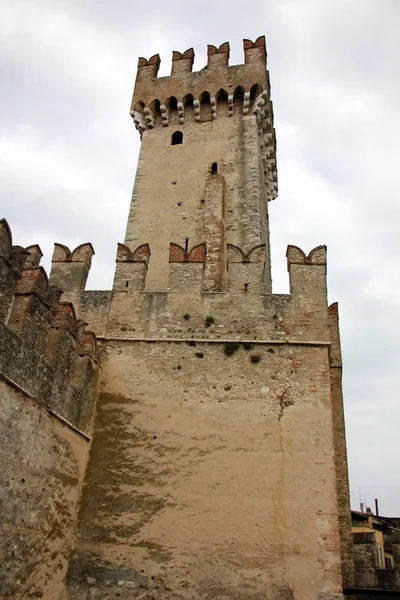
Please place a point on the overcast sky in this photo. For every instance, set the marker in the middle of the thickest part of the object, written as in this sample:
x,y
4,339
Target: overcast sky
x,y
68,153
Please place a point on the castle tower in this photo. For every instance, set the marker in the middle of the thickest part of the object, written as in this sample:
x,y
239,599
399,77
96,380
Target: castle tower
x,y
218,461
207,166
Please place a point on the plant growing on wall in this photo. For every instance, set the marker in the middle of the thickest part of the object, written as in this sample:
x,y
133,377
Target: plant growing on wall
x,y
255,358
231,347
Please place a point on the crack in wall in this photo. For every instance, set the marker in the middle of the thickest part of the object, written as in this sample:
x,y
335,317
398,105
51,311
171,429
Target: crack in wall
x,y
284,403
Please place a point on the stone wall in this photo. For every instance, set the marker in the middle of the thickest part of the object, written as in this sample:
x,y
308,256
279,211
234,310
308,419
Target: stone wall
x,y
48,385
42,466
212,471
342,477
205,468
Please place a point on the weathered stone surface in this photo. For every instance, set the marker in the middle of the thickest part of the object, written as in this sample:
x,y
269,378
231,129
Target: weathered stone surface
x,y
42,463
201,470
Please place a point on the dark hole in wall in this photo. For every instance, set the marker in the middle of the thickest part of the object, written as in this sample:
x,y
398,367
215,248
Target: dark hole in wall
x,y
177,138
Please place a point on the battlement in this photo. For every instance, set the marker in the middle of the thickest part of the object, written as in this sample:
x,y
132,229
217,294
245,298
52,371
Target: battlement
x,y
216,57
132,310
44,349
70,270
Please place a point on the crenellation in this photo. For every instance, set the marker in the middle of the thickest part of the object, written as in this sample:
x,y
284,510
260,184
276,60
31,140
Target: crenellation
x,y
182,63
131,268
12,261
307,272
246,271
218,57
254,51
64,338
148,69
70,270
204,89
89,345
35,256
35,303
42,338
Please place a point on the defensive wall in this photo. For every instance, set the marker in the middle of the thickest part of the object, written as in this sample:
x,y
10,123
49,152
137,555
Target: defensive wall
x,y
48,385
180,396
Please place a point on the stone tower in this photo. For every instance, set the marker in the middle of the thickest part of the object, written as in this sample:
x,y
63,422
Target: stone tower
x,y
207,168
217,466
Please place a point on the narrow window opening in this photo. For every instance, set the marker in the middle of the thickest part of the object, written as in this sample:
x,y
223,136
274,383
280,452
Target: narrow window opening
x,y
177,138
126,284
214,169
186,244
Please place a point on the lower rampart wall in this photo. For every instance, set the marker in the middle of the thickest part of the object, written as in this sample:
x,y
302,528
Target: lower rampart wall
x,y
187,314
211,475
93,307
42,463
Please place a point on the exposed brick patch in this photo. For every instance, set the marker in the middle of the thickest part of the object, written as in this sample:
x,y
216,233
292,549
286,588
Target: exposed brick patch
x,y
197,254
141,252
177,253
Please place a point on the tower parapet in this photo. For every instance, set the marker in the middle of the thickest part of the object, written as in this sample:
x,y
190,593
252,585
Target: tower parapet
x,y
12,261
131,268
218,57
